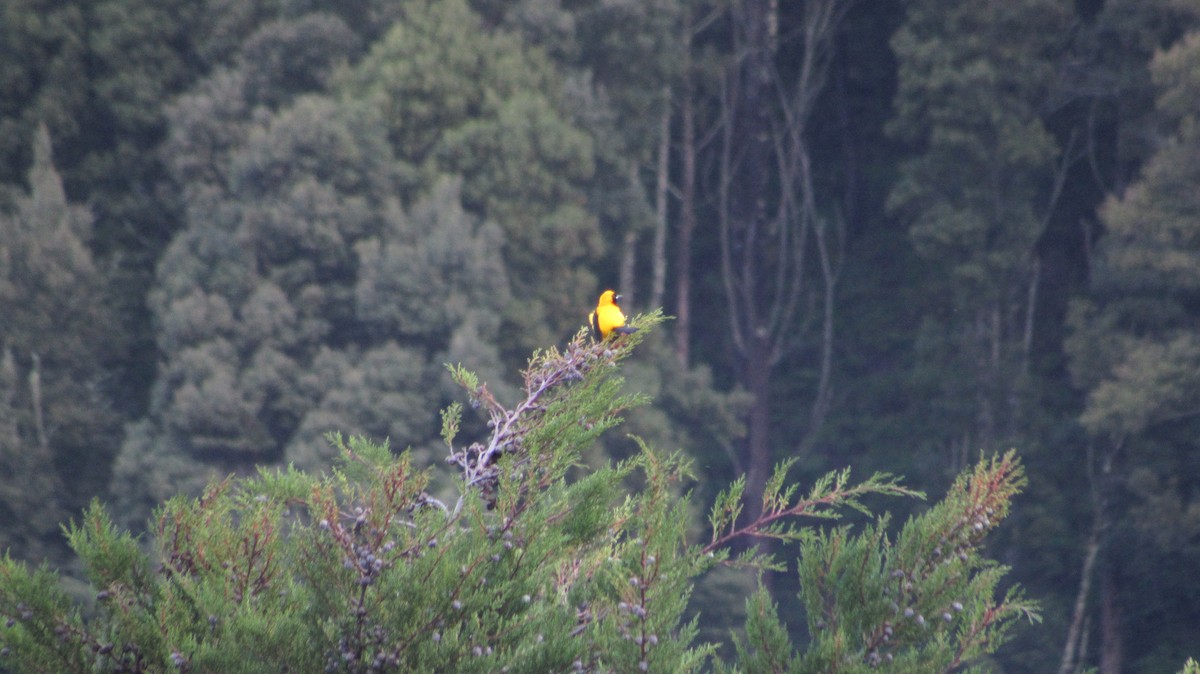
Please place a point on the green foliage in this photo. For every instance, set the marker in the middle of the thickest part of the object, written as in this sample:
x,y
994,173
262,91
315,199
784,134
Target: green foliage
x,y
923,602
1135,353
689,412
57,338
41,66
1153,383
301,296
459,98
97,74
315,163
1133,346
622,60
972,82
780,506
363,570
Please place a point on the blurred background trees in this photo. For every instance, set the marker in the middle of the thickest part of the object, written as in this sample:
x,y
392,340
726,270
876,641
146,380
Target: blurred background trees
x,y
1136,355
58,428
895,233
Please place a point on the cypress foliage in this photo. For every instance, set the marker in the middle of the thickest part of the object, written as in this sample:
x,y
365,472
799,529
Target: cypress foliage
x,y
532,563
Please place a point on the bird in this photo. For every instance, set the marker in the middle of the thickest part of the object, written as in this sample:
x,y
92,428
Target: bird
x,y
608,318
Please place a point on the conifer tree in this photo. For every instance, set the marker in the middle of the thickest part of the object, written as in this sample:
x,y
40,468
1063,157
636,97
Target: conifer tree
x,y
350,227
530,563
57,338
972,79
301,293
461,98
1135,349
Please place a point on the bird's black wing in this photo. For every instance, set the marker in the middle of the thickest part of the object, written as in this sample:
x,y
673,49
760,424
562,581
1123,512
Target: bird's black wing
x,y
594,323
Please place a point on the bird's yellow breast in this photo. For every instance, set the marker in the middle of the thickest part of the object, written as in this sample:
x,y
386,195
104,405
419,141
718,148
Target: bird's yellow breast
x,y
608,318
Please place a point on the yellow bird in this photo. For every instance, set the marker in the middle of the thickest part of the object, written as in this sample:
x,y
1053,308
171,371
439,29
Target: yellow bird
x,y
608,318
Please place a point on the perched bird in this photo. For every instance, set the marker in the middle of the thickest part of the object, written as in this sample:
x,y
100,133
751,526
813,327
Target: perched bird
x,y
608,318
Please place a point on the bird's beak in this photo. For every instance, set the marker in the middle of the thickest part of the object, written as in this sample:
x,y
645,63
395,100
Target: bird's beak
x,y
616,298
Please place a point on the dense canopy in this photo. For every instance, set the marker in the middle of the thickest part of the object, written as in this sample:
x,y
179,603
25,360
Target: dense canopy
x,y
894,234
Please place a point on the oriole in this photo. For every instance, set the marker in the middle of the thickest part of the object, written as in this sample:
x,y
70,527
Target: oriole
x,y
607,317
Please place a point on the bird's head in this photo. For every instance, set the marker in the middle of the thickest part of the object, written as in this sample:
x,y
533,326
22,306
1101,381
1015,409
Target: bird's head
x,y
609,297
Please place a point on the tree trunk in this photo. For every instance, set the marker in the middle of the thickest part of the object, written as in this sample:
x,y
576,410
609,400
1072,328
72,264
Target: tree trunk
x,y
757,380
1072,651
769,217
824,392
687,206
35,396
1111,650
658,281
625,280
749,197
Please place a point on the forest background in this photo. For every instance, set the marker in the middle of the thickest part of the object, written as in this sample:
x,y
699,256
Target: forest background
x,y
893,235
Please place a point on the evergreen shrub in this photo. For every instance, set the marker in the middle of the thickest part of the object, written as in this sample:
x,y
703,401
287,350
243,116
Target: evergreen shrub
x,y
534,562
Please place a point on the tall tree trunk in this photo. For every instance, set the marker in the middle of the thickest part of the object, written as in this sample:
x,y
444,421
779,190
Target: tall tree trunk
x,y
35,396
751,163
687,225
625,279
772,236
824,392
687,208
658,281
1074,650
1111,647
757,380
1031,301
